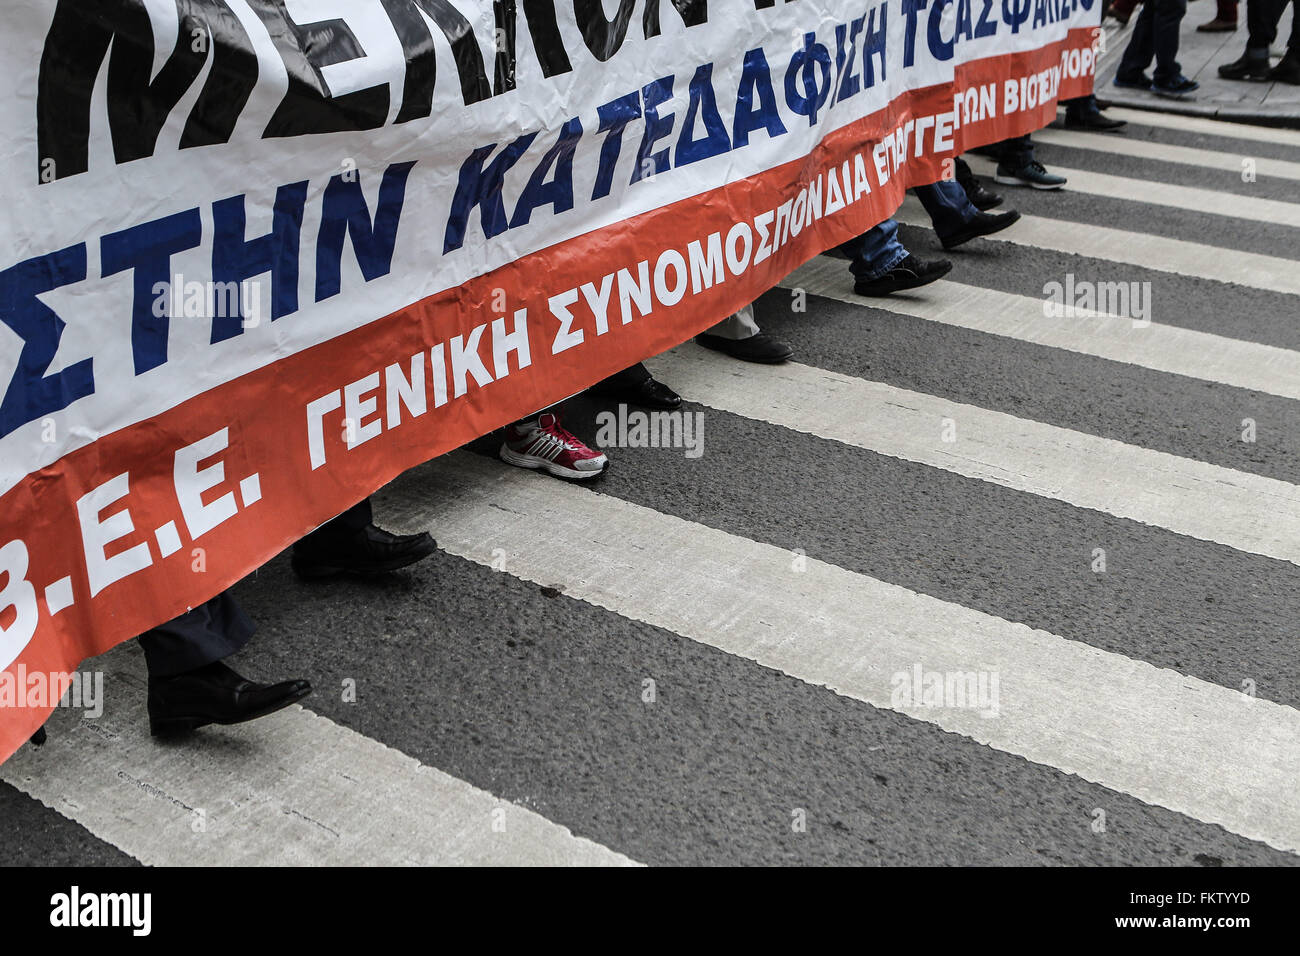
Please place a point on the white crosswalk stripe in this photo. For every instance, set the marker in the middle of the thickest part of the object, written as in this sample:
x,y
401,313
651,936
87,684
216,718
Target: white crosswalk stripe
x,y
1244,511
1168,194
1197,124
1179,256
1262,167
1164,348
299,788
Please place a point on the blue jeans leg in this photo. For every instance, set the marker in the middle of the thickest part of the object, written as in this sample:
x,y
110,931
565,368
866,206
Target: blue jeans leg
x,y
876,251
947,205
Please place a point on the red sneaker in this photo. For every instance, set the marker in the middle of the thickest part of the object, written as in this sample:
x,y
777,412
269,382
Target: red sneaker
x,y
545,444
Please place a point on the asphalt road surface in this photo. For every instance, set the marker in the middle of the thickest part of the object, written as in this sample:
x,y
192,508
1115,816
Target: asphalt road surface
x,y
965,584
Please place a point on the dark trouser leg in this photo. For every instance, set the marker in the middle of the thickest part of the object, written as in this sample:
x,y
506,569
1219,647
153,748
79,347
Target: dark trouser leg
x,y
1165,21
1016,152
963,174
947,206
206,634
1262,17
628,378
1141,45
342,528
876,251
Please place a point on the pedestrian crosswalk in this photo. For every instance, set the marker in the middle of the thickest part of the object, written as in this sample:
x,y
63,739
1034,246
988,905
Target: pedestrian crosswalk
x,y
877,621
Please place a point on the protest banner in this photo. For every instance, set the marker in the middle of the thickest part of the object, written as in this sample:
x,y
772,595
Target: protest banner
x,y
261,256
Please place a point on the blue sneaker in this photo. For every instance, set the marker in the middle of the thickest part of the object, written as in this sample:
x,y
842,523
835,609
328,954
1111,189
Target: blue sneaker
x,y
1139,82
1176,88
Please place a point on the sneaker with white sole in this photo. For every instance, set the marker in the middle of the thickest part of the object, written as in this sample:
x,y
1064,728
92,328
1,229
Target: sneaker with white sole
x,y
544,444
1033,173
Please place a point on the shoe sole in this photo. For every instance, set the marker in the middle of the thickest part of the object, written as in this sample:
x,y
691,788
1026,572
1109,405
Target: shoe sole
x,y
1012,181
179,726
533,463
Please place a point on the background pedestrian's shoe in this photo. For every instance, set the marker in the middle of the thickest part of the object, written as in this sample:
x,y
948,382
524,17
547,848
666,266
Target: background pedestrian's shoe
x,y
1247,68
371,550
214,694
760,347
1288,70
1217,26
545,444
984,224
1033,174
1139,82
911,273
1176,88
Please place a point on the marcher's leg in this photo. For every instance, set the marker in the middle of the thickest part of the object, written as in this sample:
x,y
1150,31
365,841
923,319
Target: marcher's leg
x,y
210,632
352,544
636,386
946,204
954,218
190,687
1018,166
882,266
979,195
739,336
876,251
738,325
1082,112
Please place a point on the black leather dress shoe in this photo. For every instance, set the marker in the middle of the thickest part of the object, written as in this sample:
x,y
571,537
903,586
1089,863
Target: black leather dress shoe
x,y
214,694
1091,120
978,195
761,348
1246,68
371,550
984,224
648,393
1288,68
911,273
